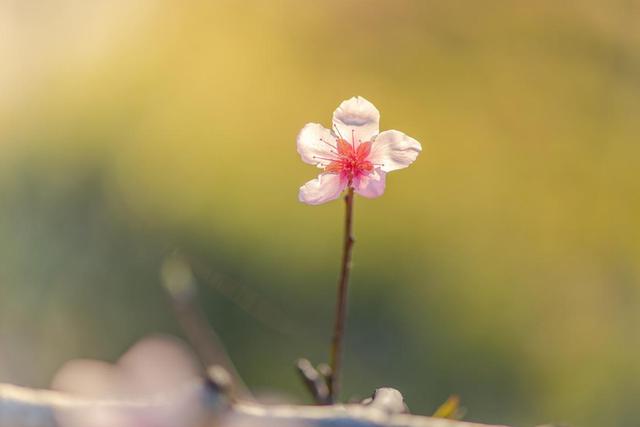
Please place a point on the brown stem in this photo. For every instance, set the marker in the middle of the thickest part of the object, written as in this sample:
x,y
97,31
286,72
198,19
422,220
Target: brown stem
x,y
341,307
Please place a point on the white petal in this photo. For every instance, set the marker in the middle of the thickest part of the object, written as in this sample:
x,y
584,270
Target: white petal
x,y
393,150
311,147
324,188
372,185
357,115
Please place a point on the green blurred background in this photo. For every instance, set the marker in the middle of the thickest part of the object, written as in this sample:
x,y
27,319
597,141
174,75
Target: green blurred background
x,y
504,265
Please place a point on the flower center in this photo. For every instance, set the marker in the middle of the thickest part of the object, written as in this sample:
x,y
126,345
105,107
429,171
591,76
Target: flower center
x,y
352,162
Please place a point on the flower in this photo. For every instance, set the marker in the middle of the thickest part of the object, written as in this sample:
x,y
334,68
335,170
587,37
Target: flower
x,y
354,154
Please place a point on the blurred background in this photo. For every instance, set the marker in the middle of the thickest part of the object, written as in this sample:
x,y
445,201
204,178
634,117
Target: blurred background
x,y
503,266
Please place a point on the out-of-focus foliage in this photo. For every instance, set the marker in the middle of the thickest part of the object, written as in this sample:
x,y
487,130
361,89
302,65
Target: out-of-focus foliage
x,y
450,409
503,266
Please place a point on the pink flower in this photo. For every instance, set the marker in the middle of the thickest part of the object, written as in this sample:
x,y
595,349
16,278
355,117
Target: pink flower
x,y
353,154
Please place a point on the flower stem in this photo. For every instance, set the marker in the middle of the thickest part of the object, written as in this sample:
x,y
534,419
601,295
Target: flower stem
x,y
341,306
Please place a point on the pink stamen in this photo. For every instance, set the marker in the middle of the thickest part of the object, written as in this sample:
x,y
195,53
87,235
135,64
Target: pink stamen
x,y
329,144
325,158
351,163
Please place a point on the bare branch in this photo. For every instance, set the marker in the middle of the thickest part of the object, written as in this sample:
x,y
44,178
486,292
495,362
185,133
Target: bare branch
x,y
314,381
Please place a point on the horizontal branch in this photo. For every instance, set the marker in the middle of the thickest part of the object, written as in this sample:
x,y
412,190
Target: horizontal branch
x,y
25,407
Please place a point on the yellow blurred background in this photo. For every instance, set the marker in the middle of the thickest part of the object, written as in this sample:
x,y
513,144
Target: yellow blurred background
x,y
503,266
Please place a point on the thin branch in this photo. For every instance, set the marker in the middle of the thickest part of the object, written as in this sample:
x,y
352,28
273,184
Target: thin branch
x,y
180,284
341,307
314,381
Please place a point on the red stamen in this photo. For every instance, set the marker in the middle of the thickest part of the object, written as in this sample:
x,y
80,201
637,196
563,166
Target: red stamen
x,y
324,158
338,131
351,163
329,144
333,167
344,149
363,150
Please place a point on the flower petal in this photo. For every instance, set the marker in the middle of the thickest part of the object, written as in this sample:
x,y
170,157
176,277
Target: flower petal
x,y
316,144
372,185
393,150
359,116
324,188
